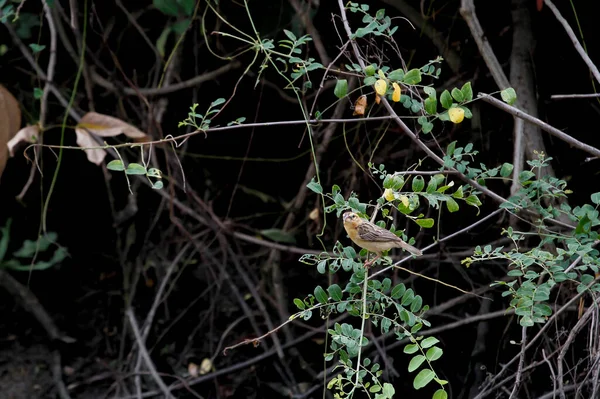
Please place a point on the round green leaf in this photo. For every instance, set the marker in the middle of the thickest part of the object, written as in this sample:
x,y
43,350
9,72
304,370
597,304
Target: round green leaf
x,y
341,88
299,304
509,95
335,292
116,165
398,74
425,223
135,169
321,295
467,92
418,183
412,77
415,363
457,94
440,394
157,185
434,353
411,348
451,205
446,99
428,342
506,169
423,378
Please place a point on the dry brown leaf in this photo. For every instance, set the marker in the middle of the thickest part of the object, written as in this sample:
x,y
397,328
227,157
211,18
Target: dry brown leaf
x,y
109,126
193,370
84,139
10,122
28,134
103,126
360,105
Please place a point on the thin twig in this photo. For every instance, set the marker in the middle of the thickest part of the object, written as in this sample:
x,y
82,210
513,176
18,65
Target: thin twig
x,y
142,348
519,376
574,40
543,125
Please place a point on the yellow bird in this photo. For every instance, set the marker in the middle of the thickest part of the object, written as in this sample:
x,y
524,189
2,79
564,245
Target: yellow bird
x,y
373,238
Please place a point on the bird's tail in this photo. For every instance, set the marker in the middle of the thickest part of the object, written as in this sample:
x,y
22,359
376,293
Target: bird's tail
x,y
410,248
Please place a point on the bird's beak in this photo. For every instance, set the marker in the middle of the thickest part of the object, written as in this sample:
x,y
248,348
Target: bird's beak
x,y
346,215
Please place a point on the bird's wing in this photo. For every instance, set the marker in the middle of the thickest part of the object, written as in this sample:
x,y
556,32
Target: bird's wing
x,y
371,232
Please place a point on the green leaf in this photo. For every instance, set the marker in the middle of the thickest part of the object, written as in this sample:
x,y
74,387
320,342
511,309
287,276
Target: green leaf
x,y
412,77
38,93
457,94
218,101
299,304
398,75
290,35
415,363
341,88
440,394
451,205
506,169
411,348
167,7
135,169
467,92
398,291
425,223
418,183
430,91
187,6
157,185
430,105
408,297
153,172
116,165
434,353
36,48
370,80
509,96
278,235
335,292
423,378
428,342
473,200
181,26
596,198
315,187
320,294
388,390
446,99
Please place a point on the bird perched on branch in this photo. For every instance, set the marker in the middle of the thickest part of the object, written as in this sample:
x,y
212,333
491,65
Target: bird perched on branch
x,y
373,238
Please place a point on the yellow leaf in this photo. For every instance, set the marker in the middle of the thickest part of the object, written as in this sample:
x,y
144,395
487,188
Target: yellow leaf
x,y
404,200
388,194
314,214
206,366
381,87
456,114
396,94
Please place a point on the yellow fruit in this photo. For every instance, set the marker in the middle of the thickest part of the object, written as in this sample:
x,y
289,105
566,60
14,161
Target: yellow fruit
x,y
381,87
396,94
456,114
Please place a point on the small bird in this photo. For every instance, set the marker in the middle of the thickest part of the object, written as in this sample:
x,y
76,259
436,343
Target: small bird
x,y
373,238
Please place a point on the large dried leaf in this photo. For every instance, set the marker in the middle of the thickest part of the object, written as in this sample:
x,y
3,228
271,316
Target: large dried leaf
x,y
10,121
84,139
29,134
108,126
103,126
